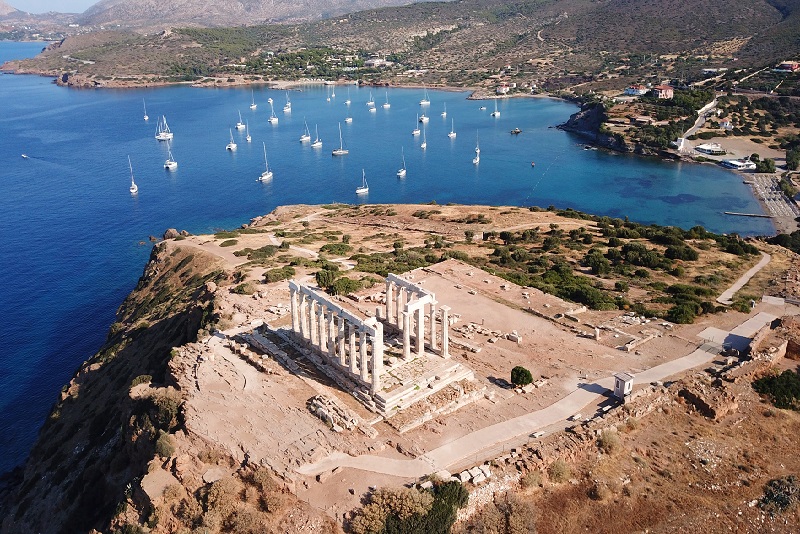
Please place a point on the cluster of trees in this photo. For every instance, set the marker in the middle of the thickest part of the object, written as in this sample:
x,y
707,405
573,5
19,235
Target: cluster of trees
x,y
782,389
409,510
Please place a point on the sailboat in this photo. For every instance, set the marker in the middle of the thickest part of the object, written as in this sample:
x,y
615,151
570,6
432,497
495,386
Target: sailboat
x,y
248,138
329,95
317,141
146,118
370,102
333,92
288,107
240,125
272,118
348,120
477,158
364,189
253,104
231,146
163,133
170,164
341,151
424,144
267,174
416,130
387,105
269,100
425,101
495,113
133,188
452,134
402,172
347,102
444,113
424,119
306,136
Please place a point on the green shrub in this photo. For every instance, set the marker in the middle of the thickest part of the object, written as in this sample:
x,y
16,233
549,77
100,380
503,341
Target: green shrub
x,y
521,376
245,288
780,495
559,471
531,479
141,379
164,446
229,243
783,390
276,275
608,441
337,249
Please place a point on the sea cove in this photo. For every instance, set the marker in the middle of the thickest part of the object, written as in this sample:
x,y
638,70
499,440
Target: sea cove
x,y
74,240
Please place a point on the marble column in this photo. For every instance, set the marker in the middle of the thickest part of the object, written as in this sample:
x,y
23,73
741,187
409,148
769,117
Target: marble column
x,y
312,326
323,336
353,359
362,360
341,343
303,317
421,330
401,291
377,359
390,318
295,315
445,352
331,339
406,336
432,320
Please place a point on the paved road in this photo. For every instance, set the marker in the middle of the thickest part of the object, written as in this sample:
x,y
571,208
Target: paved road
x,y
727,295
474,443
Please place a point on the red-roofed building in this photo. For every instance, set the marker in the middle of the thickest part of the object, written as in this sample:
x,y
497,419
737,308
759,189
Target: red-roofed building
x,y
663,91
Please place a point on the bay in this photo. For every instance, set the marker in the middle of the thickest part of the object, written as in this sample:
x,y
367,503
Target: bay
x,y
73,241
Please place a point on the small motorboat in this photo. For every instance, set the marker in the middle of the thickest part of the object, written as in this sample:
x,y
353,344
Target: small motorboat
x,y
24,156
533,164
516,131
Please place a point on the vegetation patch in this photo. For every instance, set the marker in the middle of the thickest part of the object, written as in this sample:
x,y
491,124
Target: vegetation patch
x,y
783,390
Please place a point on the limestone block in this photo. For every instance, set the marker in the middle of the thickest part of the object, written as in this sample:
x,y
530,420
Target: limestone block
x,y
486,470
478,479
464,476
475,471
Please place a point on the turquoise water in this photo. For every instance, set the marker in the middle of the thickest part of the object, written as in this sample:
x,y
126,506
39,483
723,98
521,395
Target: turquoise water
x,y
73,240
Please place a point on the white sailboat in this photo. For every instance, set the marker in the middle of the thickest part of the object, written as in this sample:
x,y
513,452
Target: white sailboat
x,y
333,92
306,136
317,141
272,118
402,172
444,113
424,119
240,125
477,158
163,133
424,144
146,118
170,164
347,102
288,107
247,137
387,105
231,146
267,174
452,134
341,151
364,189
253,104
348,120
416,130
269,100
133,188
370,102
425,101
495,113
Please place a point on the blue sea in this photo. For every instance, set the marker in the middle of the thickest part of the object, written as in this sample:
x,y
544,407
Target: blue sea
x,y
73,240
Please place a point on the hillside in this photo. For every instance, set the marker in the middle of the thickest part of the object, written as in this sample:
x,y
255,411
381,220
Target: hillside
x,y
155,13
551,45
6,9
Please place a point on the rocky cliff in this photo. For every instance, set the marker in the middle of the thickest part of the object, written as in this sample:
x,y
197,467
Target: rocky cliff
x,y
99,438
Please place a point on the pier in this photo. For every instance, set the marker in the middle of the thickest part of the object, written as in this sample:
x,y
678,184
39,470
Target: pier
x,y
761,215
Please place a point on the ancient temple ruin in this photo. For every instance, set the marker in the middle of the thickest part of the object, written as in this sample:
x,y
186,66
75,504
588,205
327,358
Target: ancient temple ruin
x,y
386,375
